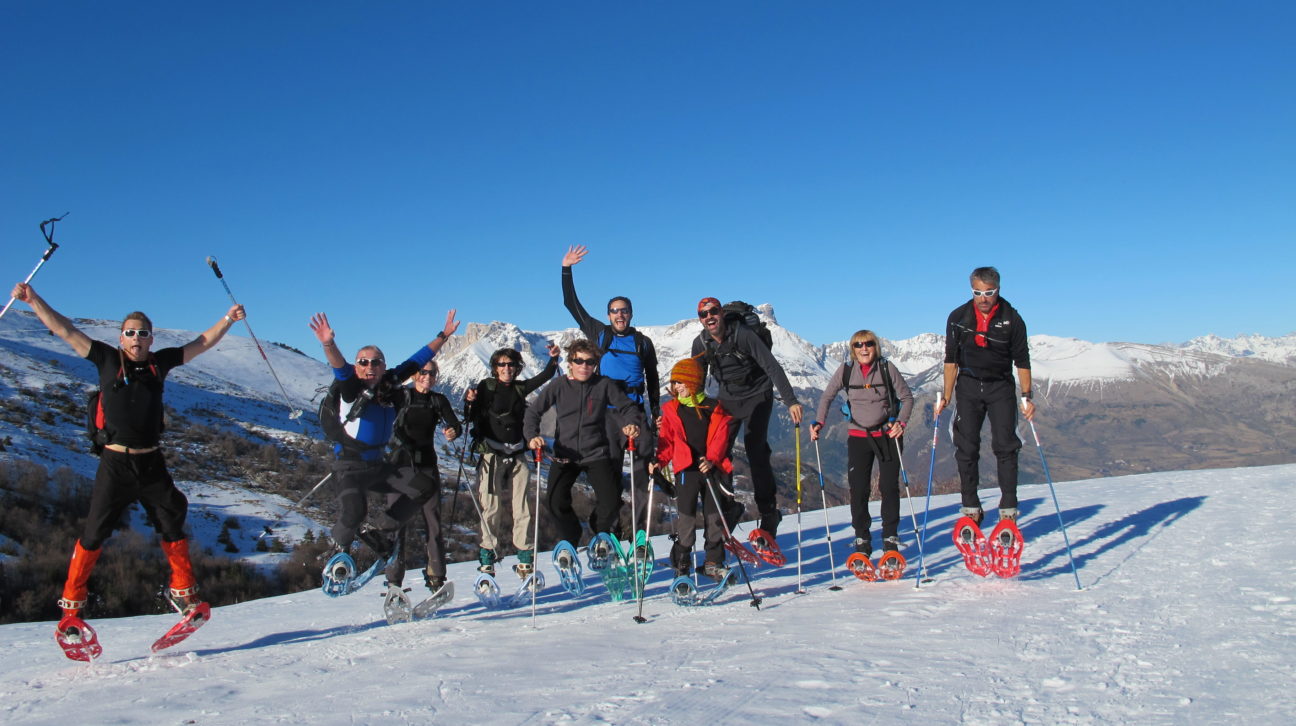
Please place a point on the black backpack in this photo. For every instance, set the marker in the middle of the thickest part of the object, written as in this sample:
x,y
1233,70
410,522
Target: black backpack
x,y
741,314
96,424
333,420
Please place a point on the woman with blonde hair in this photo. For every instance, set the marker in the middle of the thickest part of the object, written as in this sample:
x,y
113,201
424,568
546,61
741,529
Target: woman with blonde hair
x,y
878,405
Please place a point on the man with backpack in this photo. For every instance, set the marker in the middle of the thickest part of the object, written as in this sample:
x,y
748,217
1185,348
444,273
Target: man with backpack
x,y
629,359
497,406
358,415
131,464
984,339
746,372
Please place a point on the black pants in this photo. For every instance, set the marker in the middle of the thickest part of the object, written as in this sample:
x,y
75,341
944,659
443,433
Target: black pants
x,y
689,485
354,481
639,464
417,488
123,479
607,497
752,415
861,452
976,401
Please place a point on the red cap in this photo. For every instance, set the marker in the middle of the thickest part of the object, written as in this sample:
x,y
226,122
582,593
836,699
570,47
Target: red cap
x,y
707,302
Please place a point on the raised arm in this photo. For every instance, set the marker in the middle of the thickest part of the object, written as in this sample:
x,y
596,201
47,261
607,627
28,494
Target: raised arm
x,y
319,325
588,324
55,321
212,335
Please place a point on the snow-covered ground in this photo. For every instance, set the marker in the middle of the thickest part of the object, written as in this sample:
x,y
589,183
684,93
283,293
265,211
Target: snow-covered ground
x,y
1186,616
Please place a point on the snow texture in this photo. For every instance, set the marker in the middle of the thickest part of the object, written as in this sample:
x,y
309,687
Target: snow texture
x,y
1186,616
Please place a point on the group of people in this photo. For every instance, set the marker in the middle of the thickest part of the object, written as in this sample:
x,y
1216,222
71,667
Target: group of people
x,y
608,402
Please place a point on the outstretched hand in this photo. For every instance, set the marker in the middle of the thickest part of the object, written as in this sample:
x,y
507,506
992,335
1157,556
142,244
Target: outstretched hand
x,y
553,350
451,325
319,325
22,292
574,255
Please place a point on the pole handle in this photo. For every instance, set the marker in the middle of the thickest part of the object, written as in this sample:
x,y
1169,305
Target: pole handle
x,y
215,268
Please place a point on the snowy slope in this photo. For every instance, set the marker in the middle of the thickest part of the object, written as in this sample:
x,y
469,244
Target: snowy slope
x,y
1187,616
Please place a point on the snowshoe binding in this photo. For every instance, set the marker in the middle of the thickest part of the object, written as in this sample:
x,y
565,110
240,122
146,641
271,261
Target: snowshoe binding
x,y
567,562
1004,549
766,547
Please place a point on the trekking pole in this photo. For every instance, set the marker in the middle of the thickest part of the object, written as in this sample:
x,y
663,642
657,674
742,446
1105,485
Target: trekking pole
x,y
913,516
715,498
827,531
647,535
293,413
49,237
1065,539
931,473
463,453
301,501
535,540
634,531
800,590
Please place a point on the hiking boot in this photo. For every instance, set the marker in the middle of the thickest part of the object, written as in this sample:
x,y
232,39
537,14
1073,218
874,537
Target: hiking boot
x,y
433,582
891,544
526,557
601,550
770,522
976,513
1008,513
382,543
487,559
863,546
523,569
715,571
681,560
564,560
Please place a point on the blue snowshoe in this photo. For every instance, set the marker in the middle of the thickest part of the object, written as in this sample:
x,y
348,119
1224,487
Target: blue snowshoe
x,y
487,590
534,581
339,573
567,562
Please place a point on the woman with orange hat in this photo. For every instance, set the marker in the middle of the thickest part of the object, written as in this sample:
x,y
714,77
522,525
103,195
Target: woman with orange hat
x,y
693,439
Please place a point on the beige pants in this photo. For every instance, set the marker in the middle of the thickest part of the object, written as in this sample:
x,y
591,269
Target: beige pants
x,y
495,472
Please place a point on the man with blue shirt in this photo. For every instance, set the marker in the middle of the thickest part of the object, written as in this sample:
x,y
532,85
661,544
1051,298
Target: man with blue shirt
x,y
630,360
367,406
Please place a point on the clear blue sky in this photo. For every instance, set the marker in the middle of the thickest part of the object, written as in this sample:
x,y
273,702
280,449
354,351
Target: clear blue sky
x,y
1129,167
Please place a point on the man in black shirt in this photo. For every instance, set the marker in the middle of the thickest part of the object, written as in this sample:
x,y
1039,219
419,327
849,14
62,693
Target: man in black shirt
x,y
984,338
131,466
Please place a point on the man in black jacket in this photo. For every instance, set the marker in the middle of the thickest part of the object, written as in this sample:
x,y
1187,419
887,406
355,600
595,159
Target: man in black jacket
x,y
746,372
984,338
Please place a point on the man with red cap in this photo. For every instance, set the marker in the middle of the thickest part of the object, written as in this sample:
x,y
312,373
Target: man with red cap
x,y
746,372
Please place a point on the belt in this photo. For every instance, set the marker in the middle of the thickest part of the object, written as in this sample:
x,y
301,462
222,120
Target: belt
x,y
127,450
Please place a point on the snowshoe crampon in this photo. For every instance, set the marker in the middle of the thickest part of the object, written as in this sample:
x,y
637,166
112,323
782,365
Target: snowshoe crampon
x,y
428,607
741,551
77,639
533,583
1004,549
891,566
766,547
194,618
567,562
487,590
971,543
860,566
396,605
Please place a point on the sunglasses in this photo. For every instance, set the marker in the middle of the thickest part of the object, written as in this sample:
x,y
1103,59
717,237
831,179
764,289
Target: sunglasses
x,y
508,364
133,332
425,373
864,344
366,362
704,314
584,361
618,311
986,293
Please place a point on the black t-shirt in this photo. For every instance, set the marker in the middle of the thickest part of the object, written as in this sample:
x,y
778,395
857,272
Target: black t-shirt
x,y
132,402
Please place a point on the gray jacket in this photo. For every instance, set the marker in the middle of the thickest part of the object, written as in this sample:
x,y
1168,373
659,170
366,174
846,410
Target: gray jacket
x,y
580,434
868,405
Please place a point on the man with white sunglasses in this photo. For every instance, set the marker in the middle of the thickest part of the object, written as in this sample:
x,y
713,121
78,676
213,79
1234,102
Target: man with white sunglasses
x,y
131,464
984,339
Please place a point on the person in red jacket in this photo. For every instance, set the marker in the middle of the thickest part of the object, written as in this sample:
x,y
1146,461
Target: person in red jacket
x,y
693,439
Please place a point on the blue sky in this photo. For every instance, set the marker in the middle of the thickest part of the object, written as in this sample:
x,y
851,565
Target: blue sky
x,y
1129,167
